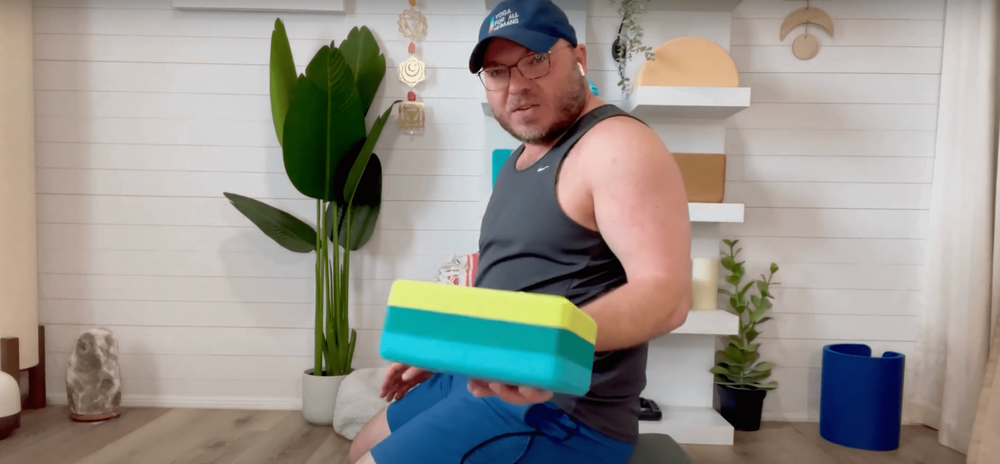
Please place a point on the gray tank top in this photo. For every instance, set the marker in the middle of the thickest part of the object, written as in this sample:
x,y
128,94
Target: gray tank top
x,y
527,243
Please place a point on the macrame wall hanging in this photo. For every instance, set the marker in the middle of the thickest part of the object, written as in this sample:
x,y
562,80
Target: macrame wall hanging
x,y
413,26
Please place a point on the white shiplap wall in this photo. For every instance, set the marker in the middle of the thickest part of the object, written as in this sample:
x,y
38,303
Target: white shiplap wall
x,y
146,114
833,160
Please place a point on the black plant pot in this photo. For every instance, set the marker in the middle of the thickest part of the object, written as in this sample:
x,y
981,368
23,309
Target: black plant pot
x,y
741,408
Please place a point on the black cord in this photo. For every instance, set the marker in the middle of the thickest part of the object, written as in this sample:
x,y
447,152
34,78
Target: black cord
x,y
503,435
532,433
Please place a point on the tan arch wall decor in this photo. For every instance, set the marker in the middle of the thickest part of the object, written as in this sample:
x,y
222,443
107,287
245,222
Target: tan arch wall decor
x,y
689,62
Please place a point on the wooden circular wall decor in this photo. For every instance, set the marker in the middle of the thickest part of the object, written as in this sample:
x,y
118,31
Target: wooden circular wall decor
x,y
806,45
689,62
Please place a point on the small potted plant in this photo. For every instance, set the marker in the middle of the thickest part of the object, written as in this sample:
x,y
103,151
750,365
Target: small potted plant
x,y
629,39
740,376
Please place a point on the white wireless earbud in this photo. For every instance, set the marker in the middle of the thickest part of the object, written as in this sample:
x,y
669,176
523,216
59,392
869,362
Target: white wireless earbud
x,y
580,67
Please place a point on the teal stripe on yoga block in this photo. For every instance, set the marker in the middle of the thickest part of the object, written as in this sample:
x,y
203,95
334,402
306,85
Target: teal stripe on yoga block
x,y
491,332
537,370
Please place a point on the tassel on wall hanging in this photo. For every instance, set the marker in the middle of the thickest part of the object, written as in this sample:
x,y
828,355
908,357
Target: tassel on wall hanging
x,y
413,26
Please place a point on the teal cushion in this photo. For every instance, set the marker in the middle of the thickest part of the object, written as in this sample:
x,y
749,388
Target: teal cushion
x,y
656,448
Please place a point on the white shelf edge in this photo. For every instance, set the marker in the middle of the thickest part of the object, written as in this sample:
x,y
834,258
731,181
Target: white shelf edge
x,y
693,5
282,6
716,212
655,5
564,4
709,322
687,102
691,425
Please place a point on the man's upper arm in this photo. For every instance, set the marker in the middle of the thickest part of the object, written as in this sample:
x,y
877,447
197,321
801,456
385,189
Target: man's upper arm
x,y
640,204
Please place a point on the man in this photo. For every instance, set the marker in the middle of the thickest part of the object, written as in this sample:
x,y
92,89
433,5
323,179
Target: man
x,y
591,207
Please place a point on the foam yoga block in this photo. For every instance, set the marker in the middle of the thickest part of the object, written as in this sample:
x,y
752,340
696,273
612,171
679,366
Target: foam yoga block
x,y
519,338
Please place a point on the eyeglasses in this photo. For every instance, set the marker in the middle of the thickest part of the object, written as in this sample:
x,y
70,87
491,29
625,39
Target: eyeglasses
x,y
531,67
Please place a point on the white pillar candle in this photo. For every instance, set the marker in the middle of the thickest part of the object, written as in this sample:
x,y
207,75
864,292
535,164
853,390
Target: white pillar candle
x,y
704,283
18,251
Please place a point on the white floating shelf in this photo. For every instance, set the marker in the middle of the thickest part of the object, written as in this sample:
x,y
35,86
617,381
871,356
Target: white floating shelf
x,y
687,102
486,106
565,4
692,5
690,425
715,212
277,6
662,5
710,322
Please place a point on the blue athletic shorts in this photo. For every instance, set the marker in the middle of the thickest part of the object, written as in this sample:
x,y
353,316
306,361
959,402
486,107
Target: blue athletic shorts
x,y
440,422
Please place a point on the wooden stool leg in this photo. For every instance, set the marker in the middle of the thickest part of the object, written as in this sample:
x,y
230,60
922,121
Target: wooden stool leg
x,y
10,362
36,376
10,357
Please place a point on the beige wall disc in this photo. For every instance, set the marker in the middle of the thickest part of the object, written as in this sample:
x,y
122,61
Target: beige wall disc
x,y
689,62
805,46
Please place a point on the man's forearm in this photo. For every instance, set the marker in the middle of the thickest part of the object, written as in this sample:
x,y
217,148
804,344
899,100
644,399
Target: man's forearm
x,y
638,312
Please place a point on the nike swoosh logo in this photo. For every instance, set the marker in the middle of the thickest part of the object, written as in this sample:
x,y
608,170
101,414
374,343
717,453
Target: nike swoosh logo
x,y
542,168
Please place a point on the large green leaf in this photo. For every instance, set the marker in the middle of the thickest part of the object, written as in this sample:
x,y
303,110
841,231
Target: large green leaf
x,y
769,386
361,51
289,231
736,354
723,357
720,370
324,124
282,77
763,367
364,209
361,162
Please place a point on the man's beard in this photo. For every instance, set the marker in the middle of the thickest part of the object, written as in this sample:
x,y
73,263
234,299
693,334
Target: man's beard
x,y
570,106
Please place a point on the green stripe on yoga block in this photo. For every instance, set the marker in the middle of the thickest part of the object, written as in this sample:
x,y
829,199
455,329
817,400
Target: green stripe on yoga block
x,y
542,371
506,335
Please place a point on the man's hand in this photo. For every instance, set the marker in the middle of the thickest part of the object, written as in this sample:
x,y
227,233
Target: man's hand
x,y
399,379
509,393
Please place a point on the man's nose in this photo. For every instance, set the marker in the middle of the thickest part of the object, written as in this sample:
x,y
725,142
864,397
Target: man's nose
x,y
518,83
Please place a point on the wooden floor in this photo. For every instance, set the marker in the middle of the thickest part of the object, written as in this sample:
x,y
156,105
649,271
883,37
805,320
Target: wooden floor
x,y
189,436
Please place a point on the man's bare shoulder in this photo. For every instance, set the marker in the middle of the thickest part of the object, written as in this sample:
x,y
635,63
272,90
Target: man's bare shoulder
x,y
622,144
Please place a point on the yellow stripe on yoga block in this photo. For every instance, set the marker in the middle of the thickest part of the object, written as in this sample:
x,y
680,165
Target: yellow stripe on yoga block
x,y
502,305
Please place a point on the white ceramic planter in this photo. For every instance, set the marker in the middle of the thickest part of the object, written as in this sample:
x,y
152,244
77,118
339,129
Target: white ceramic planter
x,y
319,395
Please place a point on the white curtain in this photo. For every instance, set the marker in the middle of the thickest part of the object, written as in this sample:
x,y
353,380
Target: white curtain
x,y
957,287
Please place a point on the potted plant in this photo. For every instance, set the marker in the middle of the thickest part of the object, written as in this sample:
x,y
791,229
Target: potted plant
x,y
319,119
739,374
629,39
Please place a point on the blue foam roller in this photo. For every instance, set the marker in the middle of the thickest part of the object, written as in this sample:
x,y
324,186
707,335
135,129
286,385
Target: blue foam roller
x,y
861,397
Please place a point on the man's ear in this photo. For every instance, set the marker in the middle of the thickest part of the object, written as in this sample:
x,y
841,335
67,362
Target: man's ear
x,y
580,52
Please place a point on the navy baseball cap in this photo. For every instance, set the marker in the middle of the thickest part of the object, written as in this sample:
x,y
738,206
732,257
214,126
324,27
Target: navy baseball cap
x,y
534,24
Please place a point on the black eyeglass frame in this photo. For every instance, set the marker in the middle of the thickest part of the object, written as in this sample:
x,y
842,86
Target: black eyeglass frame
x,y
548,61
